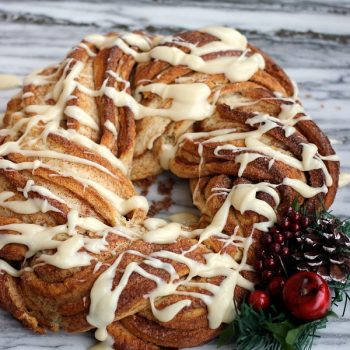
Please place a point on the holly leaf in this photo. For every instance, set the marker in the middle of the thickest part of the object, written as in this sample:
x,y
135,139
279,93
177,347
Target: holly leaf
x,y
293,334
280,331
331,313
301,337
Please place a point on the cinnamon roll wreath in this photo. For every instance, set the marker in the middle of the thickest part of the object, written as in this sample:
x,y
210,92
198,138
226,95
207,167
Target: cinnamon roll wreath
x,y
77,249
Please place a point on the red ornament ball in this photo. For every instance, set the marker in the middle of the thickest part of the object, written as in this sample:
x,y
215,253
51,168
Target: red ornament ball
x,y
259,300
307,296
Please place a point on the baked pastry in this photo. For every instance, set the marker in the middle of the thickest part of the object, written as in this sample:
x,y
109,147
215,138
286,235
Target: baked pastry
x,y
77,249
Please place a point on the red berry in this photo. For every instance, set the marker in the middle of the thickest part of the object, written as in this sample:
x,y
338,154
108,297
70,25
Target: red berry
x,y
279,272
297,234
259,300
258,265
267,239
285,223
288,234
290,211
305,222
267,275
262,254
295,216
295,227
278,238
285,251
274,230
270,263
275,247
275,286
259,253
307,296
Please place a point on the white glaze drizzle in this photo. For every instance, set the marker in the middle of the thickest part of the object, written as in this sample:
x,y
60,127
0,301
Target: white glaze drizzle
x,y
87,49
29,206
31,187
7,268
111,127
168,233
184,218
236,68
8,81
105,345
190,101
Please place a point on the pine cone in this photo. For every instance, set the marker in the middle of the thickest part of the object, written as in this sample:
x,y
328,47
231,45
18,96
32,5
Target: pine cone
x,y
324,249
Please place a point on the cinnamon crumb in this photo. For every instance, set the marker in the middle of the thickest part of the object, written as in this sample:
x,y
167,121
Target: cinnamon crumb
x,y
166,187
158,206
145,184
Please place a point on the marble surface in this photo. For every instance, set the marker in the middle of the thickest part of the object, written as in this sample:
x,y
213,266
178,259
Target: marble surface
x,y
311,39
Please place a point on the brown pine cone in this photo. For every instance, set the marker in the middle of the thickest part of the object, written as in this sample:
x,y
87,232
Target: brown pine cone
x,y
324,249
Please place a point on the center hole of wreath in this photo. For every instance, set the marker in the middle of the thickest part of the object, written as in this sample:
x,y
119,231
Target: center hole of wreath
x,y
167,195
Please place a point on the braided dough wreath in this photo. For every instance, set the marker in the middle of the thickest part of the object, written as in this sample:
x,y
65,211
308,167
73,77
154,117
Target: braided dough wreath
x,y
77,249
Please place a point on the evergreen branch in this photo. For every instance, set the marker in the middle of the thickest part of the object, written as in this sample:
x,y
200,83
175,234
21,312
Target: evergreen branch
x,y
271,330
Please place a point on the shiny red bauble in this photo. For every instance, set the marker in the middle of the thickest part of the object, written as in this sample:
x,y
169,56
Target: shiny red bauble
x,y
306,295
259,300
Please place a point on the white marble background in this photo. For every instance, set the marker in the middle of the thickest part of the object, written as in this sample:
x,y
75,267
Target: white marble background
x,y
311,39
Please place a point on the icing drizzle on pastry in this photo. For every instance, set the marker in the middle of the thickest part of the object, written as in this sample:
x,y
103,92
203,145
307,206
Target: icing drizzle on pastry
x,y
187,100
8,81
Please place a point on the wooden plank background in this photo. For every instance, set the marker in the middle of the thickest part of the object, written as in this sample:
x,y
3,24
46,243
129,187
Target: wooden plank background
x,y
310,39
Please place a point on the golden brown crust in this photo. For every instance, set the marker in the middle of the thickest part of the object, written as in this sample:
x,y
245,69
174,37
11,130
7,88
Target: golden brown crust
x,y
174,338
124,339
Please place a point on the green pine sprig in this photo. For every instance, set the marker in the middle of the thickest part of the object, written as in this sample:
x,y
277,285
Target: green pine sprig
x,y
342,290
250,330
272,330
341,293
